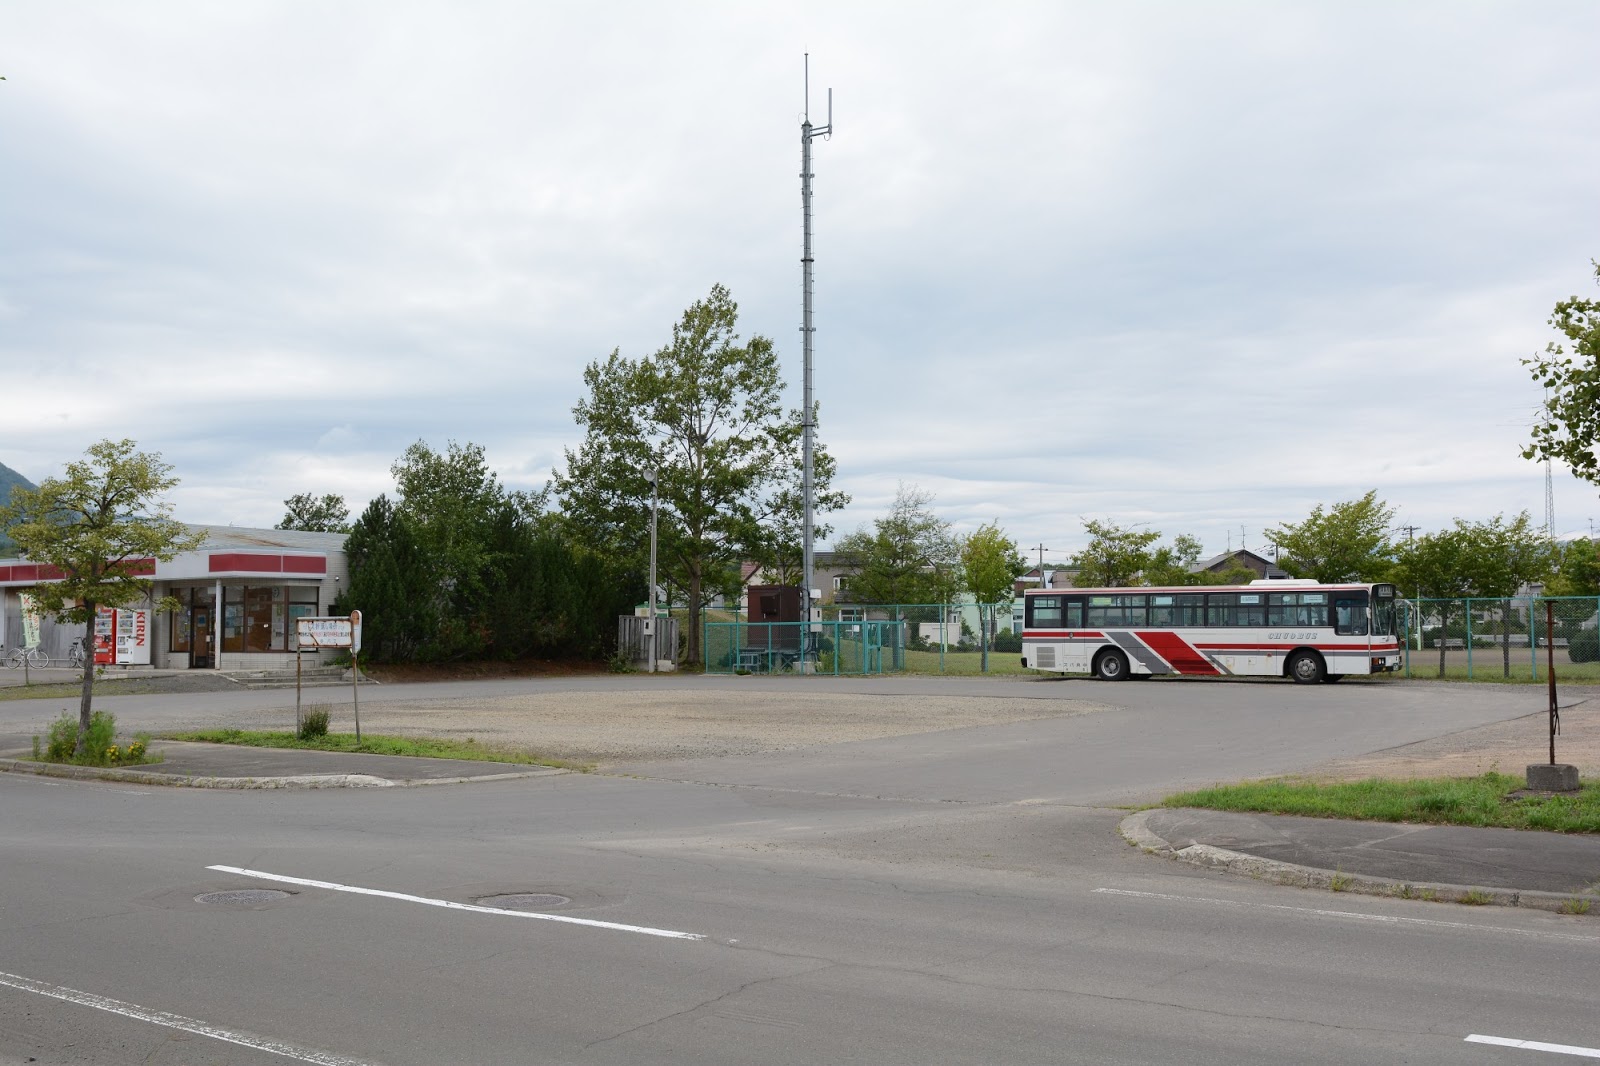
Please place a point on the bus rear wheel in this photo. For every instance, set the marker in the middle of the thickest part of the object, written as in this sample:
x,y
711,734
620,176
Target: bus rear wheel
x,y
1111,665
1306,667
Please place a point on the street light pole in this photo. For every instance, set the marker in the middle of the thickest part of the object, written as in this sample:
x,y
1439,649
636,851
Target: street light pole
x,y
808,132
655,496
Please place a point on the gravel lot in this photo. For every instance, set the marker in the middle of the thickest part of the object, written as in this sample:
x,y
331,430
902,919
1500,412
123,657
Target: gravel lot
x,y
616,729
1505,747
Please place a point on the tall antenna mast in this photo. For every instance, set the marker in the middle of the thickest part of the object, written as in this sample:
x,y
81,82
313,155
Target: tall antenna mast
x,y
808,413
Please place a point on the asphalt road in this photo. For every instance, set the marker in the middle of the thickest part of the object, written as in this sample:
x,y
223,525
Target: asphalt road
x,y
954,897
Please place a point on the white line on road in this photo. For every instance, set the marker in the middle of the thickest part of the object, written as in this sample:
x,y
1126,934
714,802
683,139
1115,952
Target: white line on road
x,y
453,905
176,1021
1536,1045
1385,918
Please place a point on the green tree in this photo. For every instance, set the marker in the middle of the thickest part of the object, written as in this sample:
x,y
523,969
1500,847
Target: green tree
x,y
1498,558
1173,564
1115,556
1348,542
1430,567
391,584
1570,373
450,502
908,556
705,412
1577,570
316,514
99,527
990,566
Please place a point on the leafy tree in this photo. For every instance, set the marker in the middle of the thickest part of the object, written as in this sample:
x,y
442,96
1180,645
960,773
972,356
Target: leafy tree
x,y
391,584
990,566
99,527
316,514
705,412
1116,556
1570,429
1348,542
1577,570
780,547
1171,564
1498,558
1430,567
907,556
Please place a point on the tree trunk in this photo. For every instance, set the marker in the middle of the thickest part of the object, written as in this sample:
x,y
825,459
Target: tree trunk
x,y
984,625
86,697
693,652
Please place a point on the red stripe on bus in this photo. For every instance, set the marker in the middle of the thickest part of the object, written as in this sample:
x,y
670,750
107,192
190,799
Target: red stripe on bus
x,y
1176,651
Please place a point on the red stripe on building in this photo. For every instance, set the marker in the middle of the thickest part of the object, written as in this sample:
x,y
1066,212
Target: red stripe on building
x,y
1176,651
305,564
251,562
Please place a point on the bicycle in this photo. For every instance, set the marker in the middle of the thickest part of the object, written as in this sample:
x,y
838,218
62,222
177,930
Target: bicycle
x,y
75,655
35,657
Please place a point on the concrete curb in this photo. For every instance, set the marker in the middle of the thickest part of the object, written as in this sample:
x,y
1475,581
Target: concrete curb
x,y
1136,832
296,781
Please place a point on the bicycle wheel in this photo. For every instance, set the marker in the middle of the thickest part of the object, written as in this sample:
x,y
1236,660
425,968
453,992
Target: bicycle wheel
x,y
75,657
14,660
38,658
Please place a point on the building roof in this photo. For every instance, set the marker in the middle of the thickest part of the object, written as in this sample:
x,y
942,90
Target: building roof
x,y
245,537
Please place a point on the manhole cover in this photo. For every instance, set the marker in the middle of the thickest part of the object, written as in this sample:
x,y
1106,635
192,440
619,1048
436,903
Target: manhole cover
x,y
242,895
525,901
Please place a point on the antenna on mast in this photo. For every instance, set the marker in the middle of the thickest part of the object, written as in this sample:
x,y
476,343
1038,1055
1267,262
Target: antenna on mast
x,y
808,411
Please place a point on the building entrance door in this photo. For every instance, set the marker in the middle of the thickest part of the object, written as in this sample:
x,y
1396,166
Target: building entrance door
x,y
200,657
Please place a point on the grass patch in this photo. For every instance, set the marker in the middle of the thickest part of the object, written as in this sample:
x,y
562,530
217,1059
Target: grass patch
x,y
371,744
957,663
1488,800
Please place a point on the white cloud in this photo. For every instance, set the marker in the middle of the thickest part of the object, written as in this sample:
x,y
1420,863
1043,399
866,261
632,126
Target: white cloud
x,y
1199,267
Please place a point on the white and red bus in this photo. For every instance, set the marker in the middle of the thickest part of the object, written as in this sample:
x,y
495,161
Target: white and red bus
x,y
1277,628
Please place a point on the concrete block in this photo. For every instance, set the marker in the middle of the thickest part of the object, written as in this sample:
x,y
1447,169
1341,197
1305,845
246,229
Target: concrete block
x,y
1553,777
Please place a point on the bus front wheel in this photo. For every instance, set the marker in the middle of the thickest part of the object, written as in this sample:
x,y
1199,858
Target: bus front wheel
x,y
1306,667
1112,665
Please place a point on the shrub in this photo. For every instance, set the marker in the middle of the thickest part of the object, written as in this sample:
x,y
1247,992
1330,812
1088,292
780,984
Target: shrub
x,y
63,738
1007,641
98,748
314,722
1583,646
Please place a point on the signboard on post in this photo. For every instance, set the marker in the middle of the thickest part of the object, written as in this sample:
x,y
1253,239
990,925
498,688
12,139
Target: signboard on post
x,y
330,631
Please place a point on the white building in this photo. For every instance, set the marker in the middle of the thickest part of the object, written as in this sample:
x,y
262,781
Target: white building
x,y
239,594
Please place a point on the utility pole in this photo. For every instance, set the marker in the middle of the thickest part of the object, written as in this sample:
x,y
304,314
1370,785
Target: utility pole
x,y
808,410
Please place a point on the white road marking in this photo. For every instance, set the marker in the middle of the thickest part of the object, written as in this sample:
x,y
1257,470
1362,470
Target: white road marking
x,y
453,905
1358,915
1536,1045
177,1021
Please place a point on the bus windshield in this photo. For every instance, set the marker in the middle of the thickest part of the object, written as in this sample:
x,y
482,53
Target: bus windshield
x,y
1383,618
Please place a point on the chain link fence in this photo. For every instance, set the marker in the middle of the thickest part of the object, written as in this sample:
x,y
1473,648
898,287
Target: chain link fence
x,y
942,638
1511,638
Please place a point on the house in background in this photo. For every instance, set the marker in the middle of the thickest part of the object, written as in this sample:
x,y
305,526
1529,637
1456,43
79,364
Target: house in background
x,y
1256,564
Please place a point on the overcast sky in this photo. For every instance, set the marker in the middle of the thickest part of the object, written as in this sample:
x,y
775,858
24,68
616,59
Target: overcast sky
x,y
1199,266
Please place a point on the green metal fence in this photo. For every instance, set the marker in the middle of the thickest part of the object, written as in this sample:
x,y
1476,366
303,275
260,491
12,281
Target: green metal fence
x,y
1502,638
833,647
861,639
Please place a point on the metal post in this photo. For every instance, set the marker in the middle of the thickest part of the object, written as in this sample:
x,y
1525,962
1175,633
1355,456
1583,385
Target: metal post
x,y
355,689
1550,650
1469,638
655,497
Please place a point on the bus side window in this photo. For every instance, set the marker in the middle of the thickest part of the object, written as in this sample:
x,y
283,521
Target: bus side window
x,y
1074,609
1350,616
1044,612
1221,607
